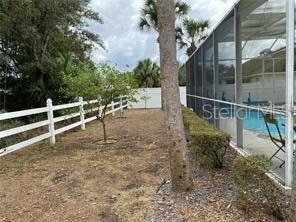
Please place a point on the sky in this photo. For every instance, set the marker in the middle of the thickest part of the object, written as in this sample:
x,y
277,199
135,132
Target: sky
x,y
126,44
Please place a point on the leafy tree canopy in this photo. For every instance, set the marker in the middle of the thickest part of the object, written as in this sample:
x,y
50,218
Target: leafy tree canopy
x,y
102,80
38,39
105,82
82,81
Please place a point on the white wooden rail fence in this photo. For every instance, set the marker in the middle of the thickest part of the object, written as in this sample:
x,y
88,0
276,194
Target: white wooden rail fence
x,y
51,120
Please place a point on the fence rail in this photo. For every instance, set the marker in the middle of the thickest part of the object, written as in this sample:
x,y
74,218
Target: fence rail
x,y
51,121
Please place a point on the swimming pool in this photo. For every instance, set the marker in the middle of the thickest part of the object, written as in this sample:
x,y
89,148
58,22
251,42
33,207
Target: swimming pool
x,y
253,120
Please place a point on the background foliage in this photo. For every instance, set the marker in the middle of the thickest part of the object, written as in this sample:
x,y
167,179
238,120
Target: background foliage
x,y
40,43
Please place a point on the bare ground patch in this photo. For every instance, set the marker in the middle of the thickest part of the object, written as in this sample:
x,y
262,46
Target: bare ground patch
x,y
80,179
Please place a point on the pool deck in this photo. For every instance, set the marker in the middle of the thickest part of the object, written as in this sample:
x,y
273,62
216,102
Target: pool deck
x,y
256,143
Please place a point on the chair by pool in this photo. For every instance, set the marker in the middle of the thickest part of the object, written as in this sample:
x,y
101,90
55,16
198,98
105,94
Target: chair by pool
x,y
279,141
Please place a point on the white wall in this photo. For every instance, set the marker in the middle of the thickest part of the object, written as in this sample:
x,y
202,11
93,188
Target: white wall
x,y
271,91
155,98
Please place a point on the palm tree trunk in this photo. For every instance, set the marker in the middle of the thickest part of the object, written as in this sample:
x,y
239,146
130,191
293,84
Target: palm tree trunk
x,y
179,161
191,49
162,98
162,81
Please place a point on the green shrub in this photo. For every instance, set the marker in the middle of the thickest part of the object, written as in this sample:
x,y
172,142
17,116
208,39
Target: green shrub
x,y
209,144
252,184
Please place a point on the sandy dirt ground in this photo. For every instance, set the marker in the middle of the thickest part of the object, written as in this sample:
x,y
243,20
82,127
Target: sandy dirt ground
x,y
79,179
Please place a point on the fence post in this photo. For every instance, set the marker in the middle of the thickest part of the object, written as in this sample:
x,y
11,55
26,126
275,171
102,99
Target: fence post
x,y
51,121
112,107
81,110
121,106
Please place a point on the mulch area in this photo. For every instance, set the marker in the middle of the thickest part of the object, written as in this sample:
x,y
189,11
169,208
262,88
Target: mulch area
x,y
213,199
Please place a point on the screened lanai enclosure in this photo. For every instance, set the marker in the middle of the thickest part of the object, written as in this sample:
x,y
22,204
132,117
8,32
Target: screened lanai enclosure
x,y
241,79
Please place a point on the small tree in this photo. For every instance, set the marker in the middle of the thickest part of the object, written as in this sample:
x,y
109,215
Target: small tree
x,y
114,84
105,82
145,99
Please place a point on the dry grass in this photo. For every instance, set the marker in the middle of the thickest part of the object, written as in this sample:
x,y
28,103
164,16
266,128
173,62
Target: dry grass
x,y
80,179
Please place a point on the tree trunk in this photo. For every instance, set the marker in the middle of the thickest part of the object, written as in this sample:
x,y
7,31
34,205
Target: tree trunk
x,y
191,49
179,161
161,80
162,98
104,130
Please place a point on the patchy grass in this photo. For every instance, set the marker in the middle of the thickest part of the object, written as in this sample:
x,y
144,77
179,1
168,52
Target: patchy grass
x,y
129,202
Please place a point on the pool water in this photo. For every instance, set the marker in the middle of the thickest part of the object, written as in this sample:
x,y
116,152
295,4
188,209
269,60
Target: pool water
x,y
253,120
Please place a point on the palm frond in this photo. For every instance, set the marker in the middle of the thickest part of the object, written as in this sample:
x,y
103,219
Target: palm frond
x,y
144,24
202,38
182,44
203,24
191,26
180,37
182,8
148,16
147,73
195,29
179,33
